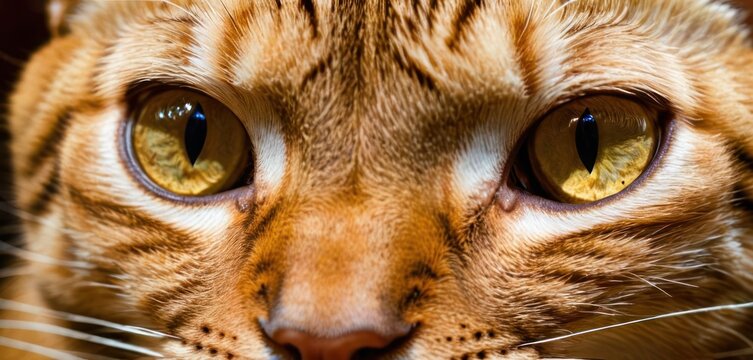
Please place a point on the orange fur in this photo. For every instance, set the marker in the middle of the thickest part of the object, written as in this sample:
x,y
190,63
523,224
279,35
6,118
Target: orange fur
x,y
393,125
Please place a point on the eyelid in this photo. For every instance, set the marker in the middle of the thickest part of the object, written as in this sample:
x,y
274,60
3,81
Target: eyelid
x,y
533,194
157,166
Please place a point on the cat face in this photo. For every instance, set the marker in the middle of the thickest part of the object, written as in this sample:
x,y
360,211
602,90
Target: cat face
x,y
384,181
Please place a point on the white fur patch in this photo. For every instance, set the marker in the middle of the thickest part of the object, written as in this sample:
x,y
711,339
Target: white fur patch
x,y
477,169
204,220
269,145
664,185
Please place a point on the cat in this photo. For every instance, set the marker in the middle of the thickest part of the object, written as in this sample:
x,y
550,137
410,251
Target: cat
x,y
437,179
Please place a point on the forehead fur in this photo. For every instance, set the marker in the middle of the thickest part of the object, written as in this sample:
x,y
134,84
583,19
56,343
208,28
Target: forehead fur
x,y
412,60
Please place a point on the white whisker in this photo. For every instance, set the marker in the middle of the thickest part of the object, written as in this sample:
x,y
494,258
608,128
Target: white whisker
x,y
673,281
13,272
101,285
652,318
20,307
57,330
192,15
37,349
91,356
25,215
650,283
31,256
560,8
615,313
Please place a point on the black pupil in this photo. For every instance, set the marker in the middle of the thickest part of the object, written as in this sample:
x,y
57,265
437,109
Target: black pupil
x,y
587,140
196,134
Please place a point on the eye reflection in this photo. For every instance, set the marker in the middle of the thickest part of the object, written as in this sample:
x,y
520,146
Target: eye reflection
x,y
589,149
174,112
191,144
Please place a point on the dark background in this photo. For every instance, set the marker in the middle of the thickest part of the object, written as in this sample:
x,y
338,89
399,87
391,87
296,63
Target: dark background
x,y
22,30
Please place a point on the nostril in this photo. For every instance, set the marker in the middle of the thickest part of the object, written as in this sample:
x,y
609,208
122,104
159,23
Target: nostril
x,y
293,351
338,348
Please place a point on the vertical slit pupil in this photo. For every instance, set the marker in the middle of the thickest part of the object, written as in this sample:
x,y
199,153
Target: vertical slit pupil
x,y
196,133
587,139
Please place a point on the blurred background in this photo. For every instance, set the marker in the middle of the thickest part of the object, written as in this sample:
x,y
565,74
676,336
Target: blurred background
x,y
22,30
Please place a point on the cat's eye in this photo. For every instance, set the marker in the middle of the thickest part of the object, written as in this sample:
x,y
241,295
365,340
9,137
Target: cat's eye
x,y
589,149
190,144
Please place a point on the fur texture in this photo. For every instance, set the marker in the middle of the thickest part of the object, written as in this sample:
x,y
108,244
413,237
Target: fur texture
x,y
384,132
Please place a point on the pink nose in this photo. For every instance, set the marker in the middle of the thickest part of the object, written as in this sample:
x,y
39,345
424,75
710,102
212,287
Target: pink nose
x,y
338,348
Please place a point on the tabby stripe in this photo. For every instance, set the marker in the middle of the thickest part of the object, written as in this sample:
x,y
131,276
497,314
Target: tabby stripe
x,y
160,301
49,143
433,5
261,267
175,240
525,51
307,6
408,66
49,191
743,157
181,318
741,199
231,33
416,8
422,270
164,298
462,20
450,238
317,69
259,228
743,191
387,23
574,275
151,247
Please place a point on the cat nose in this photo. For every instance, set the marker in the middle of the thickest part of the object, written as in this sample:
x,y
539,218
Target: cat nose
x,y
343,347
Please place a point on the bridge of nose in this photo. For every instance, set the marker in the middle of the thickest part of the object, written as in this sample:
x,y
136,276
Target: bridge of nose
x,y
338,268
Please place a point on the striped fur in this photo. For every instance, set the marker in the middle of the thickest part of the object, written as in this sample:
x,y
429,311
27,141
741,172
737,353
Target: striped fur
x,y
384,131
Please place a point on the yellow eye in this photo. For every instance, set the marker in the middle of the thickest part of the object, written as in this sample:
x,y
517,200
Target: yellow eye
x,y
190,144
593,148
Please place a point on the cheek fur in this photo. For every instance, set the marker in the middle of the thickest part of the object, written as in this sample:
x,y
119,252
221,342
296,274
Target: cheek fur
x,y
381,135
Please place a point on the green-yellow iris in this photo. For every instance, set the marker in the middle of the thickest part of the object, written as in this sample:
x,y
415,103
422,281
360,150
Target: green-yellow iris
x,y
626,143
201,163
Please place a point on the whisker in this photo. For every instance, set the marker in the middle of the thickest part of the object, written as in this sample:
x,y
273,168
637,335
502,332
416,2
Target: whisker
x,y
24,215
91,356
102,285
31,256
37,349
81,319
652,318
192,15
10,59
673,281
9,273
57,330
650,283
560,8
733,354
615,313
